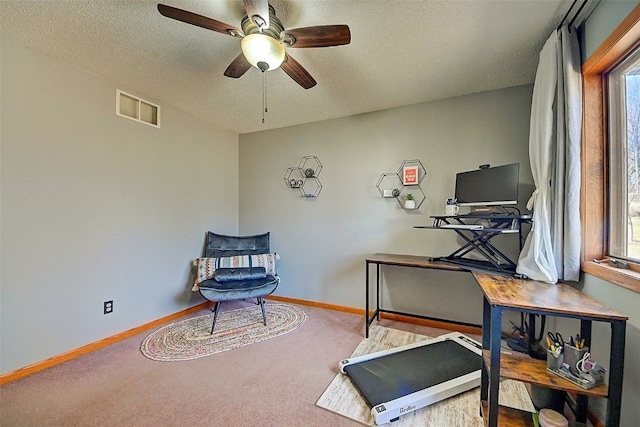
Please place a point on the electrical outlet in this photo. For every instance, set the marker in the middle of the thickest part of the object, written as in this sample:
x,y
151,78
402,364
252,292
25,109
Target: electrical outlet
x,y
108,307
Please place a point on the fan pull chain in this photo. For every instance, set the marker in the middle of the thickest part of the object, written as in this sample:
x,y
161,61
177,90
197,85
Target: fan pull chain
x,y
264,95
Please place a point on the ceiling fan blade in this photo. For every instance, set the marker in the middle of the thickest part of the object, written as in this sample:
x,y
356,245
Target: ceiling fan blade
x,y
199,20
258,12
297,72
238,67
318,36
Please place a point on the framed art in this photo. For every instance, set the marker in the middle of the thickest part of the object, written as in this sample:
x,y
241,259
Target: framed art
x,y
410,175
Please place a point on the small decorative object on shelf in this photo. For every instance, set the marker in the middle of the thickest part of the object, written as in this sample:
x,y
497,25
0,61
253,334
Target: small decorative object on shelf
x,y
409,203
389,185
294,177
304,177
408,177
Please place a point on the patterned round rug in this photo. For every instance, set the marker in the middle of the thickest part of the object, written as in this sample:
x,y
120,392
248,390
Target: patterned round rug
x,y
191,338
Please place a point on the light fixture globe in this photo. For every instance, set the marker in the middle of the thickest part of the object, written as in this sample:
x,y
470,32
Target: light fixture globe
x,y
262,51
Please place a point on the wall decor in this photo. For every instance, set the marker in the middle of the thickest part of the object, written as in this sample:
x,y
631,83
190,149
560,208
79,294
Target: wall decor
x,y
404,184
410,175
304,177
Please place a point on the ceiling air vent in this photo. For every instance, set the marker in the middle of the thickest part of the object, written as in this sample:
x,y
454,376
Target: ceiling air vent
x,y
137,109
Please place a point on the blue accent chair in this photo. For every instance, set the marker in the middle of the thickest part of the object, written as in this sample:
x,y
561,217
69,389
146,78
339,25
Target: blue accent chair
x,y
237,283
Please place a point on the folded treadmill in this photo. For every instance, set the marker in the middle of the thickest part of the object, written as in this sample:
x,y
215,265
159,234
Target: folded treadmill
x,y
401,380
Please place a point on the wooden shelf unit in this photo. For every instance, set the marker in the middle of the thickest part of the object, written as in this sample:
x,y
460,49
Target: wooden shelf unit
x,y
509,417
529,296
521,367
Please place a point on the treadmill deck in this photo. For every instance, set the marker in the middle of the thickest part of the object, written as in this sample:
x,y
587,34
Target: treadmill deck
x,y
401,380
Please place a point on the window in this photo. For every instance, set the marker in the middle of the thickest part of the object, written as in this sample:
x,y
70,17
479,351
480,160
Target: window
x,y
609,159
623,90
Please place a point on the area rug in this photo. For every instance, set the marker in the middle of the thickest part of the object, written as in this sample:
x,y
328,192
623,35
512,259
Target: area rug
x,y
343,398
191,338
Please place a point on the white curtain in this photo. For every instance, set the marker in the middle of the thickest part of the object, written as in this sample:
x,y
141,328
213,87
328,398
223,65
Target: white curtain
x,y
552,249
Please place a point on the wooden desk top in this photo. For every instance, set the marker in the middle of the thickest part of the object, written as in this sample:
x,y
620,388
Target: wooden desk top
x,y
410,261
534,295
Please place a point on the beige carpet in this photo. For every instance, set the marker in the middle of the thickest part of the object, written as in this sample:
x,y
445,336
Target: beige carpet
x,y
342,397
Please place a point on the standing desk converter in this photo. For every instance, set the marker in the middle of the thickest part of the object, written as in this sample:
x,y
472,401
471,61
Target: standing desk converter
x,y
478,230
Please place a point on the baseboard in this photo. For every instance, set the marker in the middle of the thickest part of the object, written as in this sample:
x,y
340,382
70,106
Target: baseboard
x,y
593,418
308,303
55,360
432,323
389,316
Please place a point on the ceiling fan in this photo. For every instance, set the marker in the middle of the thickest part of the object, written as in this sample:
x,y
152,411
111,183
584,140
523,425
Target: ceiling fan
x,y
264,39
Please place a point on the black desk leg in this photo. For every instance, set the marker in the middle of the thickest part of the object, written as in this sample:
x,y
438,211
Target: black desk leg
x,y
378,292
366,303
582,400
585,331
494,367
486,328
618,331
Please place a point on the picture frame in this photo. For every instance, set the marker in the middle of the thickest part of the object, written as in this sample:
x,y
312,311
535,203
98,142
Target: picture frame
x,y
410,175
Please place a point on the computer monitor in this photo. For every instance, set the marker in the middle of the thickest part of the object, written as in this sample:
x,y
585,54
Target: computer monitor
x,y
490,186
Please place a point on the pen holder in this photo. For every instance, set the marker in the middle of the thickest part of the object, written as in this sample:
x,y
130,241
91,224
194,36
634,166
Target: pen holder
x,y
572,355
554,363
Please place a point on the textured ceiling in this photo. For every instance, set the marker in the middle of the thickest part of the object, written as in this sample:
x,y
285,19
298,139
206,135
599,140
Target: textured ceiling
x,y
402,52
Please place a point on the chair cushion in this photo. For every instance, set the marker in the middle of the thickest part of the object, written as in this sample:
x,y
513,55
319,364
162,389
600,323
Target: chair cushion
x,y
238,289
240,273
206,267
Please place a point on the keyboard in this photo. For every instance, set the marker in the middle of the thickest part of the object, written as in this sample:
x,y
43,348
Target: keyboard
x,y
463,226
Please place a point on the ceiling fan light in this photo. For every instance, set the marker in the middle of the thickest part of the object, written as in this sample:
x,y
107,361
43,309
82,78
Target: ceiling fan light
x,y
262,51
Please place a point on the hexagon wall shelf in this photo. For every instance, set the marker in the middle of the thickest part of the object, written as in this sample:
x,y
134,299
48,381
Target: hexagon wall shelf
x,y
304,177
406,180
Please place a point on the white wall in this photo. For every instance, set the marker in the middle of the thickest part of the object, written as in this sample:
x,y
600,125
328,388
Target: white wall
x,y
323,242
96,207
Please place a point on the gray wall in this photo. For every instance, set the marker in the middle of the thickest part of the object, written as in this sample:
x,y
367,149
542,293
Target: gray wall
x,y
605,18
323,241
602,21
97,207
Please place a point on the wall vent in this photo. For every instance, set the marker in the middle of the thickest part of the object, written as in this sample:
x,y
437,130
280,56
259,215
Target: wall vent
x,y
137,109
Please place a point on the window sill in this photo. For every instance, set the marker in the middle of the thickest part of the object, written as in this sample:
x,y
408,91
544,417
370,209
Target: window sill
x,y
627,278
